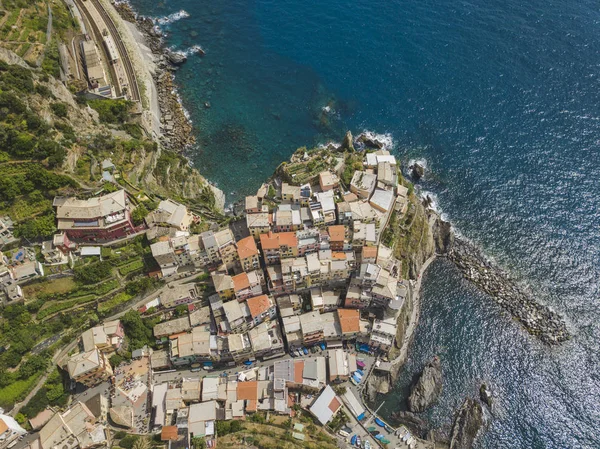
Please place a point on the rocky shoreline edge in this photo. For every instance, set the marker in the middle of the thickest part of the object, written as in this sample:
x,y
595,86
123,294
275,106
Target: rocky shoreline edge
x,y
176,127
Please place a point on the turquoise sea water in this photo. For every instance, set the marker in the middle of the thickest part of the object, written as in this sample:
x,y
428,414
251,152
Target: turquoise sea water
x,y
501,99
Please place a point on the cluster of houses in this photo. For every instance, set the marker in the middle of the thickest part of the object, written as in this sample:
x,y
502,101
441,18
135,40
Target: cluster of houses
x,y
188,408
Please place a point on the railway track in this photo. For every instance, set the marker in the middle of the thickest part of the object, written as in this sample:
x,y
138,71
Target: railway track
x,y
134,92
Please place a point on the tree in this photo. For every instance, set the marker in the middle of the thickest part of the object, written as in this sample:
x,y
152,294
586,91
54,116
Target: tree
x,y
181,310
115,360
198,443
93,273
129,441
139,214
37,227
141,443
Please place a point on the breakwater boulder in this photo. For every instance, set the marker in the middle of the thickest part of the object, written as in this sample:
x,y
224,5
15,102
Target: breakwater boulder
x,y
467,424
428,388
537,318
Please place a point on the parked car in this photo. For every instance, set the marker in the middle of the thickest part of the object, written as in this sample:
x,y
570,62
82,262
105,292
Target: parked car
x,y
299,352
292,353
314,349
304,350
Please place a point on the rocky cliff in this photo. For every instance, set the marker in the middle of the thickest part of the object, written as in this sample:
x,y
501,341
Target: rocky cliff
x,y
469,420
428,387
87,140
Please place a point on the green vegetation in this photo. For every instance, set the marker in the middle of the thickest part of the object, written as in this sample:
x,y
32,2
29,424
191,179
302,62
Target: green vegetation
x,y
59,306
52,393
111,111
136,265
352,162
117,300
138,331
93,273
60,109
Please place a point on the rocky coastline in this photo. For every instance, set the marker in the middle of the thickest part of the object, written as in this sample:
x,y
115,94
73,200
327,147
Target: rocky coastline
x,y
538,319
176,127
425,392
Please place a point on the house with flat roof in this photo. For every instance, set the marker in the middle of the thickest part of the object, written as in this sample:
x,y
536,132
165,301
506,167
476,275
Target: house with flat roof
x,y
238,316
341,365
328,181
363,184
312,327
177,294
287,218
266,340
290,193
240,347
383,334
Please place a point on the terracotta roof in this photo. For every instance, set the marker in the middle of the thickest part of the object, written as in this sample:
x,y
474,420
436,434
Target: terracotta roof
x,y
258,305
298,370
288,238
337,233
168,433
3,427
247,390
334,405
349,320
338,255
247,248
252,405
240,282
269,241
369,251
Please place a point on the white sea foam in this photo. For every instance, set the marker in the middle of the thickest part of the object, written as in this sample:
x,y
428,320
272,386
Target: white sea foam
x,y
193,50
386,139
434,203
174,17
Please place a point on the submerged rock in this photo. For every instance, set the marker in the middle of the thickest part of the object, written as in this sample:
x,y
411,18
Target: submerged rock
x,y
466,425
428,388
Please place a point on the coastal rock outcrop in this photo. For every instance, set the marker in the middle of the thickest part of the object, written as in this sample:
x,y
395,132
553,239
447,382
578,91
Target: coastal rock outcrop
x,y
428,388
369,141
485,395
537,318
443,236
467,424
415,424
175,57
347,143
417,171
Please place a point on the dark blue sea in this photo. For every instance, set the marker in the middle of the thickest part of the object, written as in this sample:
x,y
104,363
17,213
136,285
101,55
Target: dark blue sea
x,y
501,99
